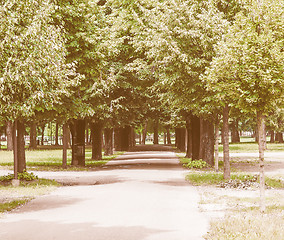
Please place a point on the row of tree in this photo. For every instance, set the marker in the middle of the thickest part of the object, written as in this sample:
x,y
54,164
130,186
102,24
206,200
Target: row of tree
x,y
117,63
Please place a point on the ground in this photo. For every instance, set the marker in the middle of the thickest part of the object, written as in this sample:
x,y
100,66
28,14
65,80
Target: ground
x,y
139,195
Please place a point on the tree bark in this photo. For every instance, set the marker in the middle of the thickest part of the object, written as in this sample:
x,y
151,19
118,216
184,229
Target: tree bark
x,y
56,134
65,145
169,141
226,153
217,136
117,137
195,123
261,143
165,137
42,134
125,138
33,135
144,133
207,142
97,145
189,137
78,142
108,133
279,137
9,134
272,137
156,132
19,147
235,132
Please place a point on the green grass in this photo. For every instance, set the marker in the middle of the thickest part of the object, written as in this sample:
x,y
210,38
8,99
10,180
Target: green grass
x,y
252,147
52,159
212,178
8,206
11,197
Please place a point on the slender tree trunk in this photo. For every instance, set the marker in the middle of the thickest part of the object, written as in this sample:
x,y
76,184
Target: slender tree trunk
x,y
9,134
189,137
261,143
65,145
272,137
108,133
165,138
169,141
195,123
97,144
217,145
56,134
177,138
144,134
226,153
19,147
33,135
207,142
156,132
42,134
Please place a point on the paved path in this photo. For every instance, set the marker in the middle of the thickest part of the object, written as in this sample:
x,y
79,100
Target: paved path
x,y
140,195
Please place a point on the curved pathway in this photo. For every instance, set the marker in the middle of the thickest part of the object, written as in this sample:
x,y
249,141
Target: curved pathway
x,y
141,195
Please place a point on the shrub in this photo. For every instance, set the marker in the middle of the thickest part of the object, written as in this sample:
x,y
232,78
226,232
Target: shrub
x,y
199,164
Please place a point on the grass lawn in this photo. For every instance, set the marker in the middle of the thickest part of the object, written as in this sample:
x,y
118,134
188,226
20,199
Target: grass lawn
x,y
13,197
252,147
51,159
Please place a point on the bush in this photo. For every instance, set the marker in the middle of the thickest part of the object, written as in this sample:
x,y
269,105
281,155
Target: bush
x,y
189,163
21,176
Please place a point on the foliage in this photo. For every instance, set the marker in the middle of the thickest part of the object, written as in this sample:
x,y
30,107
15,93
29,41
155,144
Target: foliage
x,y
189,163
8,206
34,75
21,176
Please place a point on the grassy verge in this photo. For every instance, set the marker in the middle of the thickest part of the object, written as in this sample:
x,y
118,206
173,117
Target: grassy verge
x,y
213,178
51,160
243,219
13,197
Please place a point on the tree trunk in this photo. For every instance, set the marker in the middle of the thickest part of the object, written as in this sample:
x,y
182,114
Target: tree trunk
x,y
65,145
97,145
261,143
235,132
42,134
125,138
217,145
195,123
272,137
165,138
226,153
56,134
189,137
19,147
279,137
33,135
169,141
207,142
108,133
78,142
156,132
9,134
144,134
117,137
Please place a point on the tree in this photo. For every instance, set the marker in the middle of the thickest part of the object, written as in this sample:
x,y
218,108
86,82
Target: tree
x,y
33,73
249,66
